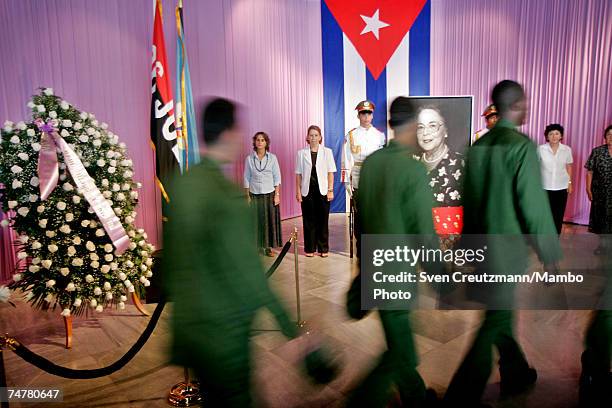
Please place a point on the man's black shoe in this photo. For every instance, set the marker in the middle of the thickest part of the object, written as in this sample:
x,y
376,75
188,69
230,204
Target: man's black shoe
x,y
518,383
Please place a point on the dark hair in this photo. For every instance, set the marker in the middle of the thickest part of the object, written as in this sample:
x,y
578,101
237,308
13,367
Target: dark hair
x,y
551,127
266,138
401,111
609,128
505,94
433,108
219,116
318,129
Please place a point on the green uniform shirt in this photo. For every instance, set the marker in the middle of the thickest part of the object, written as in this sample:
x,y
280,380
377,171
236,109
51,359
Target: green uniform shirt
x,y
212,271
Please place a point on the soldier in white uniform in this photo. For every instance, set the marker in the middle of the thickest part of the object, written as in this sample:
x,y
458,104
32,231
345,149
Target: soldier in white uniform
x,y
490,114
359,143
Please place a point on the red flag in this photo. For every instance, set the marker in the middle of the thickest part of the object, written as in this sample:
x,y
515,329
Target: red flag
x,y
163,131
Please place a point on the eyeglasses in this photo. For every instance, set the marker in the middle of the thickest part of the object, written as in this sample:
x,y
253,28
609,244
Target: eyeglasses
x,y
432,127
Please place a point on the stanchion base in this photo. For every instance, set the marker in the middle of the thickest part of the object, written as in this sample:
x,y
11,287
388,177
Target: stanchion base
x,y
185,394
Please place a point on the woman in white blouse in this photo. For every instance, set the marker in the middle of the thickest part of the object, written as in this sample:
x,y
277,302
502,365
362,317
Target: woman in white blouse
x,y
262,179
556,164
314,169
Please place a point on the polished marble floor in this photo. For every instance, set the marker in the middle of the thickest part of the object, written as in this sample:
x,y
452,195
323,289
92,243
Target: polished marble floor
x,y
552,341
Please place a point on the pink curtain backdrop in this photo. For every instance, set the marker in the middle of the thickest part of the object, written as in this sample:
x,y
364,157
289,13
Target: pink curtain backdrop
x,y
266,54
560,50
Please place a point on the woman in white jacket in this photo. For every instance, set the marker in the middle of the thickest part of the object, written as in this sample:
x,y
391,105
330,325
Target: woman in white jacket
x,y
314,169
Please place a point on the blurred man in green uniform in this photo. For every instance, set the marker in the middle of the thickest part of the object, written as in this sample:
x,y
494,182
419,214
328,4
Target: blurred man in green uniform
x,y
214,276
503,195
393,198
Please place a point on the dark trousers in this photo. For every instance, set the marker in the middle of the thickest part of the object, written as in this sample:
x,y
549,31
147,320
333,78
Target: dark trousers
x,y
356,225
558,201
315,217
468,383
397,366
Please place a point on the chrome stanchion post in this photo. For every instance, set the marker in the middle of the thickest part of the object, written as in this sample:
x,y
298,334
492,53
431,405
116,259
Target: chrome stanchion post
x,y
294,238
185,394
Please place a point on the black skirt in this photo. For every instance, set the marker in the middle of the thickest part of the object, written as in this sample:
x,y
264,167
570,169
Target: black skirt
x,y
268,220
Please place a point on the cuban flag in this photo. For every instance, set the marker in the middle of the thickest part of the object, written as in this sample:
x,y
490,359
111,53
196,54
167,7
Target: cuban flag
x,y
375,50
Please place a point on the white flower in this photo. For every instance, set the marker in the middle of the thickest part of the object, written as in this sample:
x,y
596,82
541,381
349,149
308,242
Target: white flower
x,y
107,194
76,199
109,295
65,229
99,308
95,264
131,289
127,283
70,287
143,279
23,156
64,271
101,162
108,257
131,233
53,114
22,255
65,312
108,248
90,131
49,298
128,174
12,204
85,223
149,274
116,187
16,277
36,245
69,217
94,257
89,278
126,186
67,187
134,195
33,268
52,248
97,142
97,291
77,302
111,170
122,276
84,138
4,223
33,198
46,263
143,268
40,208
113,163
77,126
15,140
36,260
23,211
147,283
83,115
76,240
30,132
42,223
21,125
99,232
93,224
132,245
105,269
24,239
120,197
90,246
35,146
16,184
149,262
16,169
121,305
64,105
141,242
113,266
440,197
61,205
71,251
34,181
30,104
5,294
107,286
93,303
50,283
129,220
77,262
48,91
64,133
41,108
117,211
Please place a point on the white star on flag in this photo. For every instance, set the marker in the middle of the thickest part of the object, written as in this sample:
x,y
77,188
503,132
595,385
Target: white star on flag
x,y
373,24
